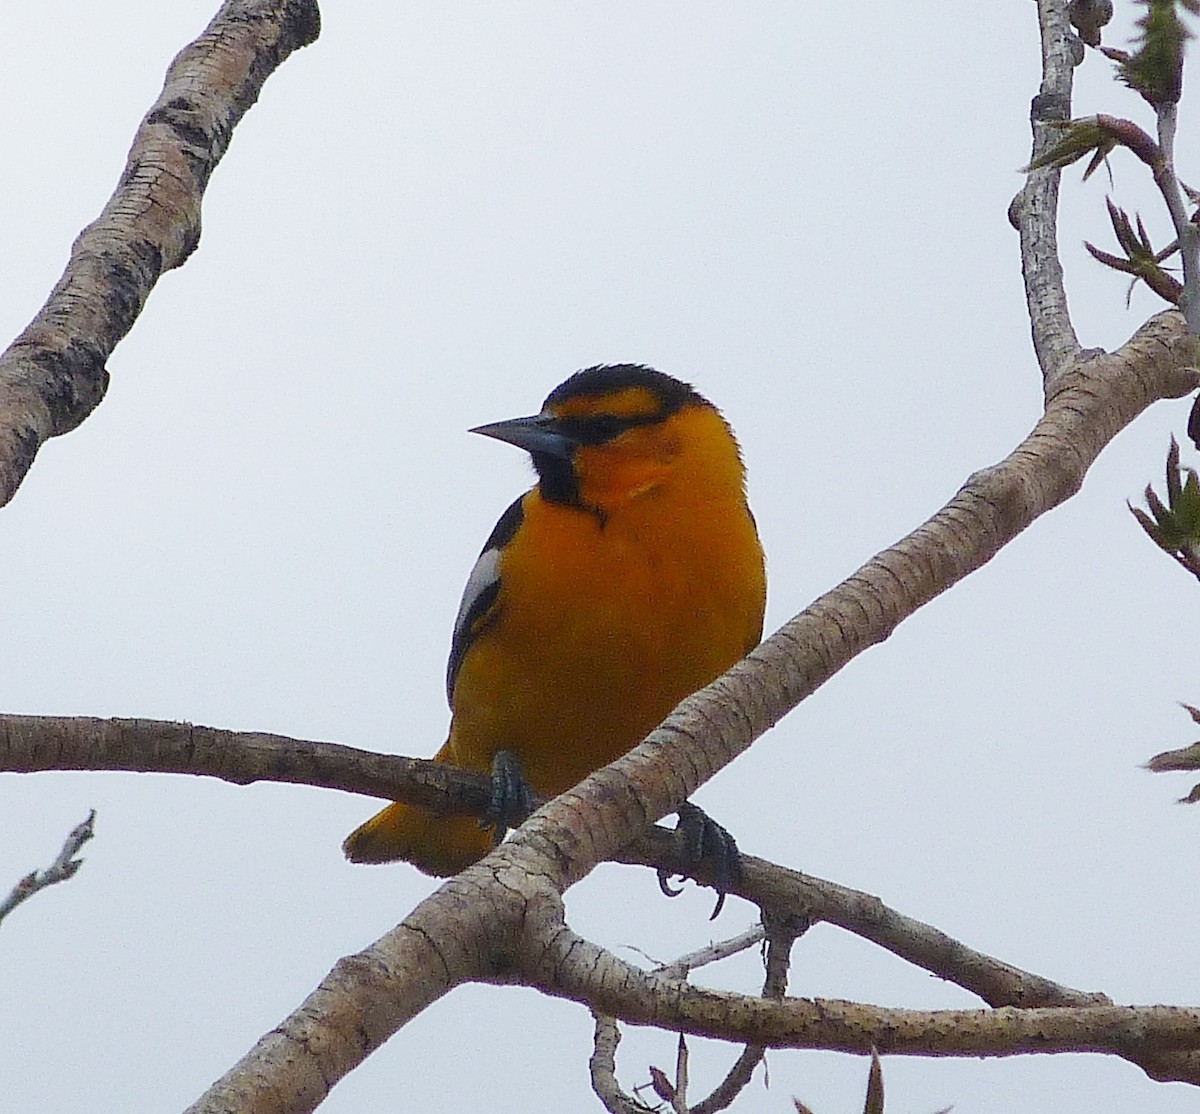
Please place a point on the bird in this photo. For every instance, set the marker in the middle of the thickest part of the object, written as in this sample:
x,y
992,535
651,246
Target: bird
x,y
629,576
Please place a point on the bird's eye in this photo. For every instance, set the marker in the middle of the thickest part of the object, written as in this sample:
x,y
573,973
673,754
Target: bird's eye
x,y
603,427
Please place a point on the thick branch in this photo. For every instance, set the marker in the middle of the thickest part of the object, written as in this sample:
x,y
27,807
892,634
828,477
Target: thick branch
x,y
53,375
566,838
507,907
467,930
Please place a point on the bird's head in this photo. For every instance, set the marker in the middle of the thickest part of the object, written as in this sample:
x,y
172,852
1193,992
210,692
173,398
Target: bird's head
x,y
613,433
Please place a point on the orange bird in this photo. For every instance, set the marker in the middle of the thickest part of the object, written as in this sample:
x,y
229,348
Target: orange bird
x,y
629,576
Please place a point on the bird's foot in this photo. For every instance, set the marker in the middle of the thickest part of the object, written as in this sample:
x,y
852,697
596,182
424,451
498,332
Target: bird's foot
x,y
701,839
512,799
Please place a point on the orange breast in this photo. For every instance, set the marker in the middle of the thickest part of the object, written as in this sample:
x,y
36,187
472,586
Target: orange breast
x,y
602,628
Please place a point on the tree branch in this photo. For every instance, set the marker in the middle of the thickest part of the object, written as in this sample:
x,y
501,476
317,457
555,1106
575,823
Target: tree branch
x,y
65,866
786,893
1186,233
31,744
574,968
517,887
42,743
1034,211
602,1067
469,929
53,375
781,934
607,1036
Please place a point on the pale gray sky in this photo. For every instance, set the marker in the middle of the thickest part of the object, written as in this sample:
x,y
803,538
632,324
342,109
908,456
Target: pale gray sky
x,y
432,217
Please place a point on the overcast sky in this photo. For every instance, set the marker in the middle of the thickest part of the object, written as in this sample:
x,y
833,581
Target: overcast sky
x,y
432,217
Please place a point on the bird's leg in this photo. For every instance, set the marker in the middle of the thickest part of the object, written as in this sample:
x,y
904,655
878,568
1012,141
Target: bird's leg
x,y
512,799
701,838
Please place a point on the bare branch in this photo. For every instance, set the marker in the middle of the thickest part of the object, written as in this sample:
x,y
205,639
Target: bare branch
x,y
781,934
735,1082
469,929
782,892
1185,230
39,743
53,374
502,919
787,893
64,866
607,1035
30,744
573,968
1034,211
713,953
603,1069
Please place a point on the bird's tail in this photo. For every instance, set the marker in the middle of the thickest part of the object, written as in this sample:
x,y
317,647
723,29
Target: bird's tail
x,y
438,845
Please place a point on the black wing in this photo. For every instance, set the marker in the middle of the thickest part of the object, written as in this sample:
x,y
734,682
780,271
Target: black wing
x,y
479,596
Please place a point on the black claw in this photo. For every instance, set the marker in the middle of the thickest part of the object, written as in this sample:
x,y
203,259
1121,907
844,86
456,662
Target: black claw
x,y
701,838
512,799
664,884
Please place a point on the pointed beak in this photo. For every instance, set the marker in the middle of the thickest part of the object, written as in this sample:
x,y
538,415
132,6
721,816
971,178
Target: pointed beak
x,y
539,433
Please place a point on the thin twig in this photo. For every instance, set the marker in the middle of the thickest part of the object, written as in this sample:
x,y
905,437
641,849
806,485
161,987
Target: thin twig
x,y
603,1068
713,953
779,939
1034,212
608,1035
1185,231
781,933
64,866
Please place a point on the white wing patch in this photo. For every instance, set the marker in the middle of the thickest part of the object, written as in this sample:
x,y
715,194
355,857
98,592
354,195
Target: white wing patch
x,y
480,595
484,575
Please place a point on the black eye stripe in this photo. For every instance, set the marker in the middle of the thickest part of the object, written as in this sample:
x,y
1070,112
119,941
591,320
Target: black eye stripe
x,y
599,428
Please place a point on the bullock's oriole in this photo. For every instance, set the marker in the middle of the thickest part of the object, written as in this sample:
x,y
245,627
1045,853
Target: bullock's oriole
x,y
628,577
